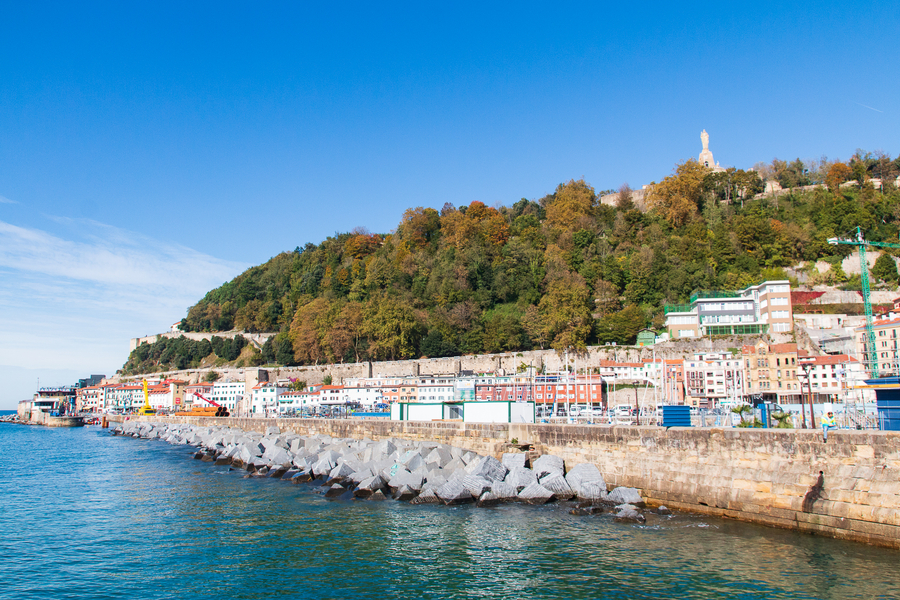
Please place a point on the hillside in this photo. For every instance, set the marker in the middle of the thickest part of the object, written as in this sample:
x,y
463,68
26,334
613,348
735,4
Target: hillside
x,y
562,271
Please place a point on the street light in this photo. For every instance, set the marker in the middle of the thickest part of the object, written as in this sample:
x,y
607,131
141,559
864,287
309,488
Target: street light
x,y
812,416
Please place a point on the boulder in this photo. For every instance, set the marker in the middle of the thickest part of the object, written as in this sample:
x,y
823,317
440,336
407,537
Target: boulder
x,y
557,484
582,511
586,480
487,467
520,478
302,477
476,485
454,492
439,456
413,481
663,510
629,516
535,494
625,495
427,496
272,431
514,459
340,472
405,494
548,464
369,486
500,492
335,490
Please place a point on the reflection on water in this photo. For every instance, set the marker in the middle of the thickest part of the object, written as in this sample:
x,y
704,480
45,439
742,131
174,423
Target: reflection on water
x,y
87,515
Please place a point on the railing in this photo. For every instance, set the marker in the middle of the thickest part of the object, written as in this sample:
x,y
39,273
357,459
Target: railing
x,y
712,294
677,308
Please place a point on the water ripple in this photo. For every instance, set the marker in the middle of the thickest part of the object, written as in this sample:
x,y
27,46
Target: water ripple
x,y
87,515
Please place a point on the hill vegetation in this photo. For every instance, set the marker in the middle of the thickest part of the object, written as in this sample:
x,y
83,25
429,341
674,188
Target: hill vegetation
x,y
560,272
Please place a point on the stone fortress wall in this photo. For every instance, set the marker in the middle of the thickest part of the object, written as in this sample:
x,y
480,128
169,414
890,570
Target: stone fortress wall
x,y
257,339
506,363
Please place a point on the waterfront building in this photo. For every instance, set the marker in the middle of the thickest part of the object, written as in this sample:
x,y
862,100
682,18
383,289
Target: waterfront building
x,y
202,388
833,378
166,395
227,393
772,372
332,395
297,401
757,309
435,388
714,379
886,349
88,398
264,397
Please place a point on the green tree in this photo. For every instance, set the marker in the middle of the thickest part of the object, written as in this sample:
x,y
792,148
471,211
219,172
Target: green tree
x,y
885,269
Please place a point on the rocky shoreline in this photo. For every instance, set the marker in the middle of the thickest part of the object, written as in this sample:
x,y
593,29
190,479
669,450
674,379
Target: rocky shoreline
x,y
415,472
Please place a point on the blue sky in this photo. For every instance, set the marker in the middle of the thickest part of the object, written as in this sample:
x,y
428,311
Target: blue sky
x,y
152,151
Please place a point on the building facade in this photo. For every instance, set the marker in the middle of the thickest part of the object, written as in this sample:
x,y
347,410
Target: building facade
x,y
755,310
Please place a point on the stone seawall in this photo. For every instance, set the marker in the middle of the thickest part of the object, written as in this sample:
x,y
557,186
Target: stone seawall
x,y
848,488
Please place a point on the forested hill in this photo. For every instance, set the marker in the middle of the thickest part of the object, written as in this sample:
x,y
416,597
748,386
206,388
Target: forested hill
x,y
561,272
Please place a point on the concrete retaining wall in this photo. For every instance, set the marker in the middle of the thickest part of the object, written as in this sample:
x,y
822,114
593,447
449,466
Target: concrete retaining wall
x,y
848,488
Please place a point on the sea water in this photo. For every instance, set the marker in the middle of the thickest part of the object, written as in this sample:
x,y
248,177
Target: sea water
x,y
84,514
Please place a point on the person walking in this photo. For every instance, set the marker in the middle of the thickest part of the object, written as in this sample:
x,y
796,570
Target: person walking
x,y
828,423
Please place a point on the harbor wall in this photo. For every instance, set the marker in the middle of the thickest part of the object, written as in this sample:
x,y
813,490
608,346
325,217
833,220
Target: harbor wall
x,y
848,488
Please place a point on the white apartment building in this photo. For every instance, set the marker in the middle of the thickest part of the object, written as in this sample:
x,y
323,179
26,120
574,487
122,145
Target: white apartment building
x,y
227,393
714,379
264,397
306,400
757,309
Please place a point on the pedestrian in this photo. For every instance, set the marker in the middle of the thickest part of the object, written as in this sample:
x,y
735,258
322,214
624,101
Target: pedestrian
x,y
828,423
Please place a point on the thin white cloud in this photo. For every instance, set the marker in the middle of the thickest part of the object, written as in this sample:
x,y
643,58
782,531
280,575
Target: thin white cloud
x,y
72,301
870,108
5,200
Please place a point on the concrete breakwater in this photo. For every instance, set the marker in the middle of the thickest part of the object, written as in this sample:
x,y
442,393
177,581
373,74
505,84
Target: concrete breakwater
x,y
419,472
848,488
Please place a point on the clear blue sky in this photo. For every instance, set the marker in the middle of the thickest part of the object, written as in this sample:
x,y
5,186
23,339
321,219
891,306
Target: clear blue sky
x,y
151,151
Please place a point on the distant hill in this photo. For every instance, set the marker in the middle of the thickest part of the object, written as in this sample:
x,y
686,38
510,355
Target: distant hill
x,y
562,271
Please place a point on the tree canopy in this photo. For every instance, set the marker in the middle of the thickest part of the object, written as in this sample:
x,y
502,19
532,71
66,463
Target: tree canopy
x,y
563,271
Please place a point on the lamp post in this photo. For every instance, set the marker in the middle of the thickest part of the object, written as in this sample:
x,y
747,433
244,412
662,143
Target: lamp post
x,y
805,367
812,415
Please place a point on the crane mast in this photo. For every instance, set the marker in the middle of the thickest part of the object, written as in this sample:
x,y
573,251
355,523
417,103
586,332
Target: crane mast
x,y
861,243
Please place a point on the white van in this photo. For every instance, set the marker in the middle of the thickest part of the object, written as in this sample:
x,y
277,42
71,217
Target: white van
x,y
623,410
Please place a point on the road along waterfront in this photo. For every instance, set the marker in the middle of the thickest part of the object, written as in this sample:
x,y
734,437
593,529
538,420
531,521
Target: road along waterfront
x,y
88,515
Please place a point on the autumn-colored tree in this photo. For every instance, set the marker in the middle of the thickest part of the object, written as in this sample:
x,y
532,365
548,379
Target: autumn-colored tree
x,y
392,328
677,196
345,334
572,206
361,244
565,314
419,226
838,173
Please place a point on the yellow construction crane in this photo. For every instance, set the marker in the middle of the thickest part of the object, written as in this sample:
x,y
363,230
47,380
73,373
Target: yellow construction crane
x,y
146,409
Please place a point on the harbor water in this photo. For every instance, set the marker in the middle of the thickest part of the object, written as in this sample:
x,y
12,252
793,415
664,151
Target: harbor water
x,y
84,514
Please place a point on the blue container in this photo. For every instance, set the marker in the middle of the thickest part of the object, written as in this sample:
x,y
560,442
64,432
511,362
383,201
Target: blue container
x,y
676,416
887,399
